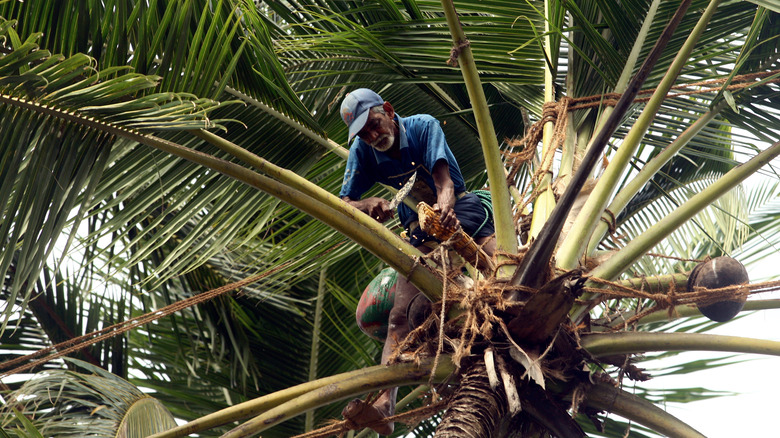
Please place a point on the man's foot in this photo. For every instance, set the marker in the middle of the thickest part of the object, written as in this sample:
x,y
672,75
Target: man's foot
x,y
365,415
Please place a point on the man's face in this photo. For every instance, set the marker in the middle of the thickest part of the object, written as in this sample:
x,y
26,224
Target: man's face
x,y
378,131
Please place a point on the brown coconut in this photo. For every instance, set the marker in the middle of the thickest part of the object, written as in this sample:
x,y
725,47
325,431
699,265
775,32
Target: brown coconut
x,y
714,274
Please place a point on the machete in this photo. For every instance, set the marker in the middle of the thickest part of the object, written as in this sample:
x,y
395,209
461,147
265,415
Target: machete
x,y
403,191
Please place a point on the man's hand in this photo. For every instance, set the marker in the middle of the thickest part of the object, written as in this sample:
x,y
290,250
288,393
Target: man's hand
x,y
377,208
446,215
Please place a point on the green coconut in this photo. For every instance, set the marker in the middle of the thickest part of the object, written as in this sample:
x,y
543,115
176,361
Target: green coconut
x,y
714,274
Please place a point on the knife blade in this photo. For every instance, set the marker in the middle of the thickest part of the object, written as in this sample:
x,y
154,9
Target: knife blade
x,y
403,191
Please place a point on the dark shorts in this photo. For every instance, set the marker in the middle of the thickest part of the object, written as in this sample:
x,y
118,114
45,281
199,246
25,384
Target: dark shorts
x,y
475,219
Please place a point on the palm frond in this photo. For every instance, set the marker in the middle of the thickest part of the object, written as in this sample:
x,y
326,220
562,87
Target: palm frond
x,y
98,405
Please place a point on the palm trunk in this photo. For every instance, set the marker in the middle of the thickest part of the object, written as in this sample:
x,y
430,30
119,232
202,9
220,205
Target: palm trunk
x,y
479,411
476,410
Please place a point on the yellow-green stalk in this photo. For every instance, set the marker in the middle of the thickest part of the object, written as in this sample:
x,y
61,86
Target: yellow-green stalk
x,y
603,396
641,342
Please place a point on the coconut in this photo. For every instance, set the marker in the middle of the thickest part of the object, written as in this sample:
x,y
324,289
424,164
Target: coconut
x,y
714,274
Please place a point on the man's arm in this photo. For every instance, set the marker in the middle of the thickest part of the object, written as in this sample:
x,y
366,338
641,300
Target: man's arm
x,y
377,208
445,194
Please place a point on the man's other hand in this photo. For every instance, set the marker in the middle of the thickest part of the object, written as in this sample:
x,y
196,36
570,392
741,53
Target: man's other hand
x,y
377,208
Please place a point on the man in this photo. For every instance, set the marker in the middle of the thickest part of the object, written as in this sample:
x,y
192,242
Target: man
x,y
389,149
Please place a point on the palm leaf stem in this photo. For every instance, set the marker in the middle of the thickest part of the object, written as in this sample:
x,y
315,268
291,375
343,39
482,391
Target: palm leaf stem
x,y
538,256
506,239
640,342
266,402
631,62
413,395
315,339
378,378
666,225
320,204
649,170
318,139
606,397
283,405
589,217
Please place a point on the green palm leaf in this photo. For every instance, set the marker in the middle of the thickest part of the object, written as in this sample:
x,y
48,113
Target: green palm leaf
x,y
97,404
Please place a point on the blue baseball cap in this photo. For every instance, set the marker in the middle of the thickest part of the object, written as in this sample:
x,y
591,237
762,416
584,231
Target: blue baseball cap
x,y
355,107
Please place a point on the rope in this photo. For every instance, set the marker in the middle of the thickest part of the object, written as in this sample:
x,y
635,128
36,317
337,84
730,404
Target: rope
x,y
738,82
455,52
552,112
699,296
409,417
440,345
556,112
487,205
80,342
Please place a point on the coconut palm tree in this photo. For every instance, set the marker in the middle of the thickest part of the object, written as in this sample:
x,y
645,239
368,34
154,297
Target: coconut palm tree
x,y
169,171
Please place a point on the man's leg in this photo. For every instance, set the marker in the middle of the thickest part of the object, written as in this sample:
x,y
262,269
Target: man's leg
x,y
357,410
488,244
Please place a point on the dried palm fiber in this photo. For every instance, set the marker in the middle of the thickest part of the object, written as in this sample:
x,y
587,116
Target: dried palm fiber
x,y
474,322
462,243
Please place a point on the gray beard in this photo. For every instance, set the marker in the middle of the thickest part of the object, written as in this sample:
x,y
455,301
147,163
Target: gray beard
x,y
387,144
